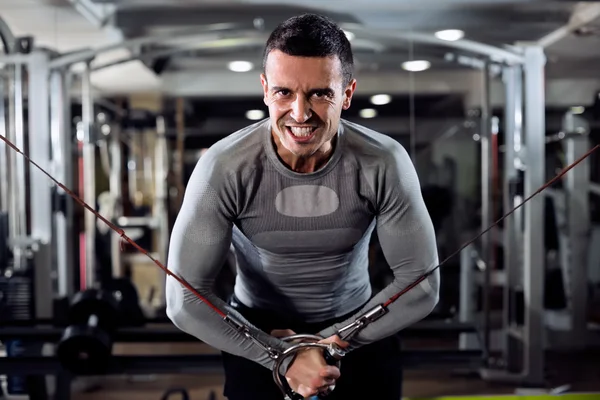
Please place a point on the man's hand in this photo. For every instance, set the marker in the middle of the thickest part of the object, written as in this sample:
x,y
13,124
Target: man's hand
x,y
308,374
280,333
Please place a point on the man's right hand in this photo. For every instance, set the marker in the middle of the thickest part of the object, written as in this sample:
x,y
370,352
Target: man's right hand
x,y
309,374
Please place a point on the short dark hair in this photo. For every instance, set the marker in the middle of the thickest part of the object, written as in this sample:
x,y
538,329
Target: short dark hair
x,y
312,35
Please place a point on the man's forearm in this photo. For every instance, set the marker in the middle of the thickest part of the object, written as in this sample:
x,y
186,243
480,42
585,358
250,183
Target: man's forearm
x,y
408,309
194,317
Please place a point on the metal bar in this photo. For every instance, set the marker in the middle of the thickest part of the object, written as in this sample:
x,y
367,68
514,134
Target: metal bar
x,y
136,222
97,14
7,36
486,201
594,188
161,198
40,199
180,150
466,313
582,15
433,329
212,42
4,165
245,30
89,172
206,363
493,53
534,257
62,161
15,59
194,34
18,184
116,193
579,234
513,117
119,365
39,106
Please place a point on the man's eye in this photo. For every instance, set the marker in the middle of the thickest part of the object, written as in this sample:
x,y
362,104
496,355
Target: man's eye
x,y
321,94
283,92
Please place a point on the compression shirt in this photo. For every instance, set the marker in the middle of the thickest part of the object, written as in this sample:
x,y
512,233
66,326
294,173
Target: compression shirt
x,y
301,239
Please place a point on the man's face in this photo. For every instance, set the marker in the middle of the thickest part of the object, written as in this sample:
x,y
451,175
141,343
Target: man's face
x,y
305,96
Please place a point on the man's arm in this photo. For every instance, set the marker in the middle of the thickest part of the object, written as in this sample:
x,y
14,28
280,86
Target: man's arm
x,y
408,242
200,240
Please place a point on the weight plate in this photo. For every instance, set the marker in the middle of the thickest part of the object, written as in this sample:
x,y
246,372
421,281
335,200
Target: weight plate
x,y
84,350
94,302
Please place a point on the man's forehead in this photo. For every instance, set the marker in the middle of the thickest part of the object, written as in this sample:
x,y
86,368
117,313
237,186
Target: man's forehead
x,y
309,72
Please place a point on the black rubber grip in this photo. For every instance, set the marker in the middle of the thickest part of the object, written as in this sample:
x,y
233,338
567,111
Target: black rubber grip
x,y
329,358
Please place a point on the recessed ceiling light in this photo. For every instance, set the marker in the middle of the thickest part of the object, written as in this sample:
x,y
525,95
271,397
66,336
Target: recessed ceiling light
x,y
416,65
450,34
381,99
368,113
255,115
349,35
240,66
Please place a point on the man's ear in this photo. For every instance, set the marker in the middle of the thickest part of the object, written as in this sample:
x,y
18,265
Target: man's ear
x,y
348,93
265,85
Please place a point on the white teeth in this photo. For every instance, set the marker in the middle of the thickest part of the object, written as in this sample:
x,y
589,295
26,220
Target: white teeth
x,y
301,131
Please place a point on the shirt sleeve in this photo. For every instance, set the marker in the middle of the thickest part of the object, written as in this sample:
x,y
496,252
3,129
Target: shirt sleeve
x,y
200,241
407,239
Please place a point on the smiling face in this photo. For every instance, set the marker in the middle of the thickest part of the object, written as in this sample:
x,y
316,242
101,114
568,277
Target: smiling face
x,y
305,96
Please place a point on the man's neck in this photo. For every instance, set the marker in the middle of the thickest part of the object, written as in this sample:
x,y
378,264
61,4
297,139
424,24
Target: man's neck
x,y
303,165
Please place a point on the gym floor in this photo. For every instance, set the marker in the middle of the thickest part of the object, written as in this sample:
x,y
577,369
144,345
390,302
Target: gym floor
x,y
580,372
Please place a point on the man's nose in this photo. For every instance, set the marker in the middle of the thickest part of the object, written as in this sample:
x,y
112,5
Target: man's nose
x,y
301,111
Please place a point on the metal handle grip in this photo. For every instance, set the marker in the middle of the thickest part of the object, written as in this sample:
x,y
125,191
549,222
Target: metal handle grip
x,y
331,353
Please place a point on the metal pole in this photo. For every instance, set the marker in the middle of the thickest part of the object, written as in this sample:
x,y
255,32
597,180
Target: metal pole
x,y
576,185
513,118
116,193
161,193
40,199
18,210
4,166
89,174
63,171
39,134
534,258
486,202
179,154
466,299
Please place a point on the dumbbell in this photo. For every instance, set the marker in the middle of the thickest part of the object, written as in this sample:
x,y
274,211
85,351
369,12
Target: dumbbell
x,y
85,347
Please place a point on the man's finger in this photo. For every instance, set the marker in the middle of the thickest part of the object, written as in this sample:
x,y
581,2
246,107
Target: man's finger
x,y
335,339
305,391
282,332
328,382
330,372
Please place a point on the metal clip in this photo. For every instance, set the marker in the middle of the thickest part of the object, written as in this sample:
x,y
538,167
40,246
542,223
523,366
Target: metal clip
x,y
244,330
347,332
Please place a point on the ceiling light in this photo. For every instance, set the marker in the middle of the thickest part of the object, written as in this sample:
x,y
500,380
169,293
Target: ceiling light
x,y
255,115
368,113
349,35
450,35
416,65
240,66
381,99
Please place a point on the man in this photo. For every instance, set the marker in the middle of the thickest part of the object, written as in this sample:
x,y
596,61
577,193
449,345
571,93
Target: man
x,y
299,195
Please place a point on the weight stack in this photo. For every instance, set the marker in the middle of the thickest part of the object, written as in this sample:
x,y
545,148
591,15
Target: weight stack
x,y
16,304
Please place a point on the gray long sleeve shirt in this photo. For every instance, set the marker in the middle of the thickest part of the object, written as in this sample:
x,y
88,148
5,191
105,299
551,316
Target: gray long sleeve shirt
x,y
301,240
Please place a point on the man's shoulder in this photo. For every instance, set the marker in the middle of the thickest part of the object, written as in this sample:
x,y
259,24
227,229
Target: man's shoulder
x,y
369,144
240,148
